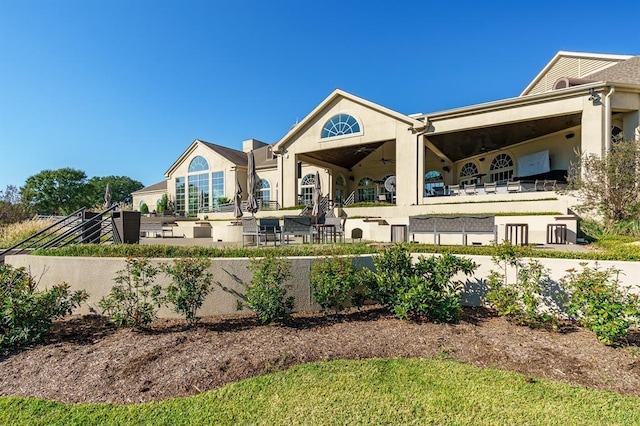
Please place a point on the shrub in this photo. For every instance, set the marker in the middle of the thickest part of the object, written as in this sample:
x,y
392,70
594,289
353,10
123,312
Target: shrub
x,y
144,208
519,300
191,282
134,301
26,315
266,293
333,281
425,289
600,304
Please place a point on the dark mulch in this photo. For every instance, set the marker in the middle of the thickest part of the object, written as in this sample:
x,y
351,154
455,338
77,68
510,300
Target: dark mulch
x,y
87,360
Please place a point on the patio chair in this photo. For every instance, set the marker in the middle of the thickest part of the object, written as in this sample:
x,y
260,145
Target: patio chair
x,y
251,229
490,187
470,189
271,226
514,186
338,227
549,185
454,189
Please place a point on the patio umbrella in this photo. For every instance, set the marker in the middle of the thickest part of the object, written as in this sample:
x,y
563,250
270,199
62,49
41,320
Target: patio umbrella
x,y
107,197
237,202
317,198
252,181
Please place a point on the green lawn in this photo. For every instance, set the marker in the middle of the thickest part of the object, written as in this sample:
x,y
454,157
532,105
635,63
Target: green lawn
x,y
395,391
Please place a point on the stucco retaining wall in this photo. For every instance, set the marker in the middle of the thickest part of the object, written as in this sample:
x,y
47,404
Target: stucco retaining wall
x,y
95,275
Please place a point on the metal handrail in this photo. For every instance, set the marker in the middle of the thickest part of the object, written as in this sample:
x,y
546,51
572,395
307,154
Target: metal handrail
x,y
350,199
41,232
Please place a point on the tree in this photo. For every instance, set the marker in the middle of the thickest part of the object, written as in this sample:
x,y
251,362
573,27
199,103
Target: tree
x,y
11,210
121,188
610,185
59,191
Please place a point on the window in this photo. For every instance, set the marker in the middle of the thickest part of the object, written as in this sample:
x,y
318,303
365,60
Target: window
x,y
433,180
366,190
263,192
383,190
306,189
341,124
468,174
198,193
340,190
501,169
180,196
198,164
217,186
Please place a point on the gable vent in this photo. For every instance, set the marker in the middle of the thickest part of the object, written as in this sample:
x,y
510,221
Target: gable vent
x,y
564,82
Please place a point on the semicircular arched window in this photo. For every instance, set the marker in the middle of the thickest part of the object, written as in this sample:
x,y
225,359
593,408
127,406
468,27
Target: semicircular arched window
x,y
198,164
366,190
338,125
501,169
467,173
264,190
307,184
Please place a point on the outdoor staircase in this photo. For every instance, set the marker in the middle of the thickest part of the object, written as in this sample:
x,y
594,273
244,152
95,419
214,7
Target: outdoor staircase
x,y
79,227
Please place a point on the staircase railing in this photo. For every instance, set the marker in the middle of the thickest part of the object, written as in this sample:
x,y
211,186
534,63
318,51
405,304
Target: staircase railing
x,y
73,228
350,199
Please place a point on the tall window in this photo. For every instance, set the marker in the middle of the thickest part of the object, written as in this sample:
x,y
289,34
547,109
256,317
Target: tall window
x,y
340,190
366,190
198,193
217,186
306,189
433,183
263,192
501,169
180,196
341,124
468,174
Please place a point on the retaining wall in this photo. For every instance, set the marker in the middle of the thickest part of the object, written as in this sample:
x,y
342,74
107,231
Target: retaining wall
x,y
95,275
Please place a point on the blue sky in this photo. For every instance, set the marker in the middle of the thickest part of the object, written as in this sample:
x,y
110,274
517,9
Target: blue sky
x,y
122,87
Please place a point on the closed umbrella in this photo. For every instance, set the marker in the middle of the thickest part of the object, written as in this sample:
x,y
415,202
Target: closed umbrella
x,y
107,197
237,202
317,198
252,181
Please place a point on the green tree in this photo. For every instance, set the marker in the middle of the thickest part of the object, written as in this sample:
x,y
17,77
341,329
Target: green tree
x,y
59,191
121,188
608,185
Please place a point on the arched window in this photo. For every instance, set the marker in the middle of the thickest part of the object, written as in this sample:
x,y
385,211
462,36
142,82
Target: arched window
x,y
306,189
468,174
264,190
341,124
501,169
198,185
198,164
433,183
341,181
366,190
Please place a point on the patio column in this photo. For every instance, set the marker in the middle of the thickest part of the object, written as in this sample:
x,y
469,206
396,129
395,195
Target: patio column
x,y
593,131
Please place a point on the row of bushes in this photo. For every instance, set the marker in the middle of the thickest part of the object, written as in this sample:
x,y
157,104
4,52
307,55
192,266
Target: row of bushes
x,y
421,289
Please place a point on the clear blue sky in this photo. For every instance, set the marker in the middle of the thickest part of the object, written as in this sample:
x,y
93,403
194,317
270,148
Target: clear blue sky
x,y
122,87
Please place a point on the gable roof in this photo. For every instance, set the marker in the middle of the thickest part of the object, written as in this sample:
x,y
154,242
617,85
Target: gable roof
x,y
572,65
160,186
236,157
622,72
337,93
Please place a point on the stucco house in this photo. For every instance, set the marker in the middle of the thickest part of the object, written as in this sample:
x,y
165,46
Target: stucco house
x,y
578,102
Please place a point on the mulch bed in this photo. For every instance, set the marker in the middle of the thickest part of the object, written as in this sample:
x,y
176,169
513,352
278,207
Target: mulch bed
x,y
87,360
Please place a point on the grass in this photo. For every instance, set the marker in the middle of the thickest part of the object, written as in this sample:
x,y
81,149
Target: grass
x,y
613,249
393,391
14,233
